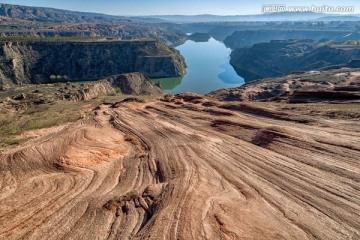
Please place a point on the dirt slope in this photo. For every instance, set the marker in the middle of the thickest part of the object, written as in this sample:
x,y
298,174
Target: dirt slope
x,y
185,168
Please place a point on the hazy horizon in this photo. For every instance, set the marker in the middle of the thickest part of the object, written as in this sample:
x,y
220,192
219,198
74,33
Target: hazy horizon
x,y
185,7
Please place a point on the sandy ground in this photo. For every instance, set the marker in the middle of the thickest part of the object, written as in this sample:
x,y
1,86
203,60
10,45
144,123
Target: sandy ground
x,y
185,170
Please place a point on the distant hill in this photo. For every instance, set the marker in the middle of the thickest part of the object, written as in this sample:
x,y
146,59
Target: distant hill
x,y
41,14
347,18
25,21
283,16
35,22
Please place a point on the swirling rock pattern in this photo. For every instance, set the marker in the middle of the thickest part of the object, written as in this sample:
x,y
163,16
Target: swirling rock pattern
x,y
185,168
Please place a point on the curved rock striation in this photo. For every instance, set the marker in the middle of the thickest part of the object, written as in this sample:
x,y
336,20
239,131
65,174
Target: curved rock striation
x,y
185,168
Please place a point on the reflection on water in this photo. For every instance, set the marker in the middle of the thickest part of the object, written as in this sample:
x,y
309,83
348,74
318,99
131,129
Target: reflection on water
x,y
168,83
208,69
227,76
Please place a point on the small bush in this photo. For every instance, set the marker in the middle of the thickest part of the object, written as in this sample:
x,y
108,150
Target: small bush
x,y
117,89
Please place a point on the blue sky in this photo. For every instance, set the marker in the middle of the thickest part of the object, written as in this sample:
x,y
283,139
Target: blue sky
x,y
188,7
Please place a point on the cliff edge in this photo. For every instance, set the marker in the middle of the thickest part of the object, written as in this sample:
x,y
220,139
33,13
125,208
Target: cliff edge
x,y
46,62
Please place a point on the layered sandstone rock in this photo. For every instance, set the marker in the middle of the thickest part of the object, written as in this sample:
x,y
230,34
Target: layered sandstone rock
x,y
44,62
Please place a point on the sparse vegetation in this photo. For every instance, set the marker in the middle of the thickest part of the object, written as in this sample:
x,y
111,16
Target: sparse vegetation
x,y
323,44
13,125
71,39
52,39
117,90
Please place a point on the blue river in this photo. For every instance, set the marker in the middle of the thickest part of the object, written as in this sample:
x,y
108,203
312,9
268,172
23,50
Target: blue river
x,y
208,69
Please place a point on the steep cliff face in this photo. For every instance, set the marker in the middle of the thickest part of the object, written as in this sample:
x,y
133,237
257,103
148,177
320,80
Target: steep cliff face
x,y
240,39
277,58
43,62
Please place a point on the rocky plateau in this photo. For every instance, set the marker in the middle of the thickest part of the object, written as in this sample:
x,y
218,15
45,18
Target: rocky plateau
x,y
191,167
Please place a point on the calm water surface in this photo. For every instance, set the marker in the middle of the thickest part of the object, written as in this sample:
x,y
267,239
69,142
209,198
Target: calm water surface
x,y
208,69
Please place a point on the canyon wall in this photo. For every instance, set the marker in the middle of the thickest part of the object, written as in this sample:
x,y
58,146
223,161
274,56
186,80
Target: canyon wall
x,y
44,62
240,39
276,58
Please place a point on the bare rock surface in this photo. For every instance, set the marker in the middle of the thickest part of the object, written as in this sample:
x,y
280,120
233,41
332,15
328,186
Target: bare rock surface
x,y
185,167
135,84
312,86
24,96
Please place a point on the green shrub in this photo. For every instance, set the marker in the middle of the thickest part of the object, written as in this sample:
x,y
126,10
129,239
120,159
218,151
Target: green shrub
x,y
117,89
